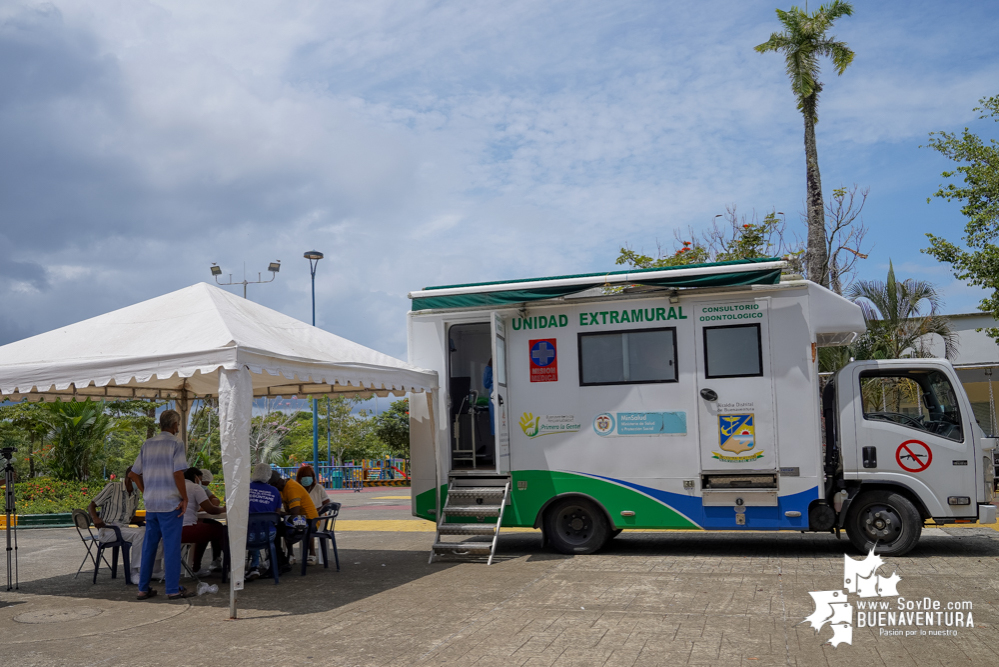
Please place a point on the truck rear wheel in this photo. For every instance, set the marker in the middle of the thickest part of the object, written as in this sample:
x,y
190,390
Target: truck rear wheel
x,y
886,520
576,526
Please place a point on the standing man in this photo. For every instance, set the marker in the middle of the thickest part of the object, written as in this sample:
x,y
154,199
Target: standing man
x,y
158,471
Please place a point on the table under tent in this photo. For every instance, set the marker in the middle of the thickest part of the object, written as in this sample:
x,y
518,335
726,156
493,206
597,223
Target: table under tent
x,y
197,343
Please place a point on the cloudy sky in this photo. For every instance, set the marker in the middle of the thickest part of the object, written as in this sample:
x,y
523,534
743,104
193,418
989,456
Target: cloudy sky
x,y
420,143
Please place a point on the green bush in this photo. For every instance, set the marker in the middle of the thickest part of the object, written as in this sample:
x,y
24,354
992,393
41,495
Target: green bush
x,y
45,495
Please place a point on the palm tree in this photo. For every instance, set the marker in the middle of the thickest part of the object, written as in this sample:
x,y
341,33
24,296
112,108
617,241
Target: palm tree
x,y
802,42
902,319
78,430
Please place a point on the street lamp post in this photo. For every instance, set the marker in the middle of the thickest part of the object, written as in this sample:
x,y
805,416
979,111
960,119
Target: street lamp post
x,y
314,256
273,267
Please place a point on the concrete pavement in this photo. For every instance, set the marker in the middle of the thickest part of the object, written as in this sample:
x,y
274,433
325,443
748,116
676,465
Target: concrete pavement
x,y
650,599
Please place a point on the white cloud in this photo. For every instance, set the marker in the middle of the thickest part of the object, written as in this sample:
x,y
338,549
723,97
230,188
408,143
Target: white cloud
x,y
412,142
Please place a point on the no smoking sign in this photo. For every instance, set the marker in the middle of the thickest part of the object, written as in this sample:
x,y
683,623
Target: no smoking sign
x,y
914,456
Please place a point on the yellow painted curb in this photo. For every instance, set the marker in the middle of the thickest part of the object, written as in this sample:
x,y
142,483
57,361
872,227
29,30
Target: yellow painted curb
x,y
993,526
386,525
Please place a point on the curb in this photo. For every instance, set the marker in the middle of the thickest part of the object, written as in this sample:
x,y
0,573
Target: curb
x,y
28,521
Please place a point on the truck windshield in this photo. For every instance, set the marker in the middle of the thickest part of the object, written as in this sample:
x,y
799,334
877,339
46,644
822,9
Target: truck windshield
x,y
919,399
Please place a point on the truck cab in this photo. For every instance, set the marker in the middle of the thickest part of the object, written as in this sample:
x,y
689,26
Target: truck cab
x,y
902,447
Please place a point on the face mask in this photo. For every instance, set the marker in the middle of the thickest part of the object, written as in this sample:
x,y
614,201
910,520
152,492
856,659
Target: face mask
x,y
306,481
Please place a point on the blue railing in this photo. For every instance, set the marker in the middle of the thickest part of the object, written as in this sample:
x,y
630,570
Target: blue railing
x,y
331,477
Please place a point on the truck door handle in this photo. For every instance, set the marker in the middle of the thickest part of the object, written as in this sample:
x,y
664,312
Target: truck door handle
x,y
870,457
499,397
709,394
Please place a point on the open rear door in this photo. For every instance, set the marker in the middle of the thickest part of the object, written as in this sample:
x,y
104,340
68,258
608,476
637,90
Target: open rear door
x,y
499,396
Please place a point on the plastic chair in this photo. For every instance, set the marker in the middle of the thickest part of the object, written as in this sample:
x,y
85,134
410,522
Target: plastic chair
x,y
260,534
81,519
296,534
323,529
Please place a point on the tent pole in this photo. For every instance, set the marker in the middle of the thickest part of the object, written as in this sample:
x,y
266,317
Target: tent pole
x,y
183,406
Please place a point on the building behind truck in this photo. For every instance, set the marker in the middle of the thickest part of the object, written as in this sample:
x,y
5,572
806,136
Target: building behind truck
x,y
684,398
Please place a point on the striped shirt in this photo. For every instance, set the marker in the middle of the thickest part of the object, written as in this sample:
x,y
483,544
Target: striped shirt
x,y
159,458
117,505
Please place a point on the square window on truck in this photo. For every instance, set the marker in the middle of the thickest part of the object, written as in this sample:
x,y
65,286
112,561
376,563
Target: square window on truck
x,y
627,357
733,352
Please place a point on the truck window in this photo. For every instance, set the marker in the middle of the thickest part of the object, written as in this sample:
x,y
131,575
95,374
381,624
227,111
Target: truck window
x,y
627,357
923,400
732,352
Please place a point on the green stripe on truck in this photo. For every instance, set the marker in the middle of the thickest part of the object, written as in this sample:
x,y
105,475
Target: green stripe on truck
x,y
542,485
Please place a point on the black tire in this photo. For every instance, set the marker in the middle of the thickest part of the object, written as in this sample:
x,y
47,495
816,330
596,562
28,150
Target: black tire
x,y
611,534
576,526
884,518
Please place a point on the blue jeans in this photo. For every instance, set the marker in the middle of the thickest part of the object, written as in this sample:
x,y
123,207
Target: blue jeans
x,y
166,525
255,553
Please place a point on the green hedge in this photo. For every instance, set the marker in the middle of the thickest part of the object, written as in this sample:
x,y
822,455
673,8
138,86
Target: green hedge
x,y
44,495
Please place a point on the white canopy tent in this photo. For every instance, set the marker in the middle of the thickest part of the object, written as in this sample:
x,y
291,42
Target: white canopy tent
x,y
202,342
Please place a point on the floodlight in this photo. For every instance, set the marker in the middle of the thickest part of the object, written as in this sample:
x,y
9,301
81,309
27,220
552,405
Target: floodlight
x,y
274,267
216,270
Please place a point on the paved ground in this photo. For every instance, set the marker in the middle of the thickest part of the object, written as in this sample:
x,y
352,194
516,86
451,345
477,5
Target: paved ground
x,y
653,598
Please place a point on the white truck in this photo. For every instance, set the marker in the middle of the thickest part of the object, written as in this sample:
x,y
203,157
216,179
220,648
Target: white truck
x,y
679,398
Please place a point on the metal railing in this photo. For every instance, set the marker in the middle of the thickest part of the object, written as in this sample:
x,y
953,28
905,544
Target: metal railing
x,y
331,477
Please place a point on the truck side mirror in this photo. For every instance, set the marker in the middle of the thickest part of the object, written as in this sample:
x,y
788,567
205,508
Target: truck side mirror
x,y
709,394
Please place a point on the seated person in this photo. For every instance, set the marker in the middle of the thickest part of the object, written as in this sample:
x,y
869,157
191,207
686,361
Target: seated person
x,y
201,533
297,501
306,476
206,479
117,502
263,498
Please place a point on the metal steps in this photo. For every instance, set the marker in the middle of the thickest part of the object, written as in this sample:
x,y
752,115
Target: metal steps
x,y
479,495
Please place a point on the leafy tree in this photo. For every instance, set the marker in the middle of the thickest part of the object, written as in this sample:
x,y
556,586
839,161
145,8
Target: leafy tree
x,y
78,430
269,432
979,167
738,238
132,423
352,434
26,423
803,42
392,428
902,319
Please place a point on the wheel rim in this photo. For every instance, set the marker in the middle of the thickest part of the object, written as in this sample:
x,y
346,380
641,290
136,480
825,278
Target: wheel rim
x,y
881,524
575,525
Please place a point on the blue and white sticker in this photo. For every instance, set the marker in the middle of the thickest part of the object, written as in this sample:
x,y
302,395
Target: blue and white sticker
x,y
603,423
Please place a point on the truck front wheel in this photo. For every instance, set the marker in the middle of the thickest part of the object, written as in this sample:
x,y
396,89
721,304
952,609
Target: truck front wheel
x,y
576,526
886,520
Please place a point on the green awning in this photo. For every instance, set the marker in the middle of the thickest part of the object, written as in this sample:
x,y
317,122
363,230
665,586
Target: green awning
x,y
761,271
